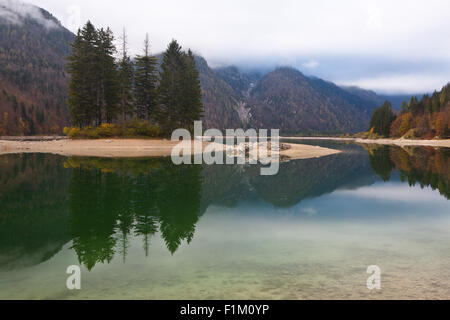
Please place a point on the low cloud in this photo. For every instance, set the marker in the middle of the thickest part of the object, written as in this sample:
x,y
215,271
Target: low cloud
x,y
15,11
311,64
403,83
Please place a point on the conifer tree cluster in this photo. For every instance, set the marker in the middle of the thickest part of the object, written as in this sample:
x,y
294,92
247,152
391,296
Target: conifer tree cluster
x,y
426,118
382,119
106,89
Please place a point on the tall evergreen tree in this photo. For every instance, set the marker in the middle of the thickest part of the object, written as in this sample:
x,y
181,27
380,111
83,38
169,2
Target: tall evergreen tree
x,y
413,105
404,107
145,84
192,107
108,84
170,88
126,75
93,94
81,66
382,119
179,91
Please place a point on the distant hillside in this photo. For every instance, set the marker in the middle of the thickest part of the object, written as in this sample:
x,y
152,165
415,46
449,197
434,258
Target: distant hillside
x,y
396,100
33,81
242,82
288,100
367,95
221,101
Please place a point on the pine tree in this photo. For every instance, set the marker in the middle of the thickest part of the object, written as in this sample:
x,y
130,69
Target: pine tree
x,y
404,107
81,66
382,119
145,84
435,102
443,98
108,83
170,88
192,107
179,91
93,88
126,74
413,105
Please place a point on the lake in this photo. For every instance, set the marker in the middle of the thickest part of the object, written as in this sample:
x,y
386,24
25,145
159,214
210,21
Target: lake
x,y
147,229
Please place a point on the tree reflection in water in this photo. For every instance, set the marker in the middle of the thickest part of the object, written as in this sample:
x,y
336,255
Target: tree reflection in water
x,y
109,200
426,166
100,204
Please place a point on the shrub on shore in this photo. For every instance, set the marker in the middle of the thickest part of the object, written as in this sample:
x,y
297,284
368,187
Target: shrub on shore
x,y
131,129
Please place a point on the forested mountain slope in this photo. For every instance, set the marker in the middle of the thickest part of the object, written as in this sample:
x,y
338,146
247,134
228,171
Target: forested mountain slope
x,y
33,81
288,100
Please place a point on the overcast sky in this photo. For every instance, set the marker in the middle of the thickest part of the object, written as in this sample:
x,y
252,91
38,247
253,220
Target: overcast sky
x,y
389,46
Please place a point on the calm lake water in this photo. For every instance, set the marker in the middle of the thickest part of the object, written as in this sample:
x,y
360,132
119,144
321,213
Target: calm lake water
x,y
147,229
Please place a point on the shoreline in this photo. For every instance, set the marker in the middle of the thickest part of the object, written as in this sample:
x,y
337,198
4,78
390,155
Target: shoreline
x,y
399,142
132,148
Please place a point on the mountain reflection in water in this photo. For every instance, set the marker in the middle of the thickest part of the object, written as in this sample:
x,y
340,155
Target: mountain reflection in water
x,y
98,204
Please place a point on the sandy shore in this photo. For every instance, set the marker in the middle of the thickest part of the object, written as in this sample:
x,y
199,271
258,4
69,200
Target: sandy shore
x,y
129,148
304,151
398,142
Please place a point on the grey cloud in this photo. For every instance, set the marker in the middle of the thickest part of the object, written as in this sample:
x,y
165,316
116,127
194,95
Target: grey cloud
x,y
15,11
367,42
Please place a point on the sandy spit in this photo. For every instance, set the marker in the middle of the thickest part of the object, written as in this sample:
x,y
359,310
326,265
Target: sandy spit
x,y
132,148
304,151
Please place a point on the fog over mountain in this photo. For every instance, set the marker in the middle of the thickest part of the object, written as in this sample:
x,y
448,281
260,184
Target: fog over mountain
x,y
388,46
14,11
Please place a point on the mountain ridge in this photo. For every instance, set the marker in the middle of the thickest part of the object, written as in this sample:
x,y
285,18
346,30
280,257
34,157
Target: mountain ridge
x,y
33,99
287,99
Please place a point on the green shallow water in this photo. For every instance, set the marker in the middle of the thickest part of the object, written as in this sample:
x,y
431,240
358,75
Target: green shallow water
x,y
146,229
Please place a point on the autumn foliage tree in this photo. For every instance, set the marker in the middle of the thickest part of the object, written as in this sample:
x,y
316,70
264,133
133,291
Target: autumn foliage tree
x,y
426,118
